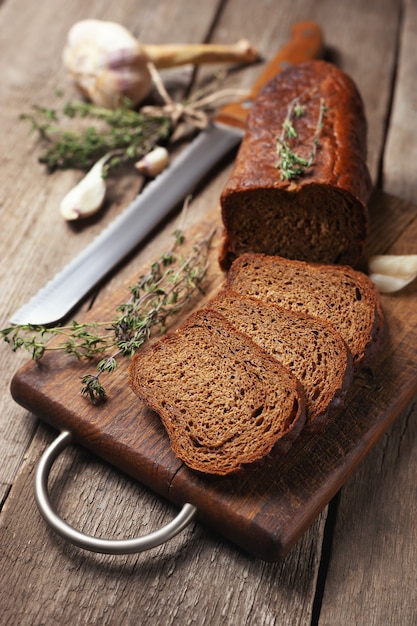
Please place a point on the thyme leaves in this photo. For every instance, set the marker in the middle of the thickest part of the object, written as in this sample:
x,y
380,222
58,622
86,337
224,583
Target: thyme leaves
x,y
129,133
158,295
290,163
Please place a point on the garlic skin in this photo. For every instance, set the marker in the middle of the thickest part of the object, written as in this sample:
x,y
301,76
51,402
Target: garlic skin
x,y
107,63
154,162
391,273
87,197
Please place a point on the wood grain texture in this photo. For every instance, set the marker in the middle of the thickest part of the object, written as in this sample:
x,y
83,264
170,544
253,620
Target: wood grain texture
x,y
370,579
401,150
195,579
266,510
372,567
198,577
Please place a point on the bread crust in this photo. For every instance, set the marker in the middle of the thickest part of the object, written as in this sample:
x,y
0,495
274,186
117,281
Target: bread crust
x,y
321,215
347,298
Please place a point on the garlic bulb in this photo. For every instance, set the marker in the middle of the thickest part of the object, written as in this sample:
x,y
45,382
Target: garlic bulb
x,y
87,197
390,272
108,64
154,162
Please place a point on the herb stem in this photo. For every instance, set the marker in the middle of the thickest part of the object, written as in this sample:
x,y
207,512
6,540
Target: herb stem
x,y
290,163
130,133
158,295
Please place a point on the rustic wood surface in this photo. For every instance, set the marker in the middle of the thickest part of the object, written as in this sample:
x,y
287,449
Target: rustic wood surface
x,y
356,564
267,509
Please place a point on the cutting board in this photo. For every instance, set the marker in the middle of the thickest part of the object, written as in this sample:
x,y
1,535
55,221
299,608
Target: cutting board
x,y
266,509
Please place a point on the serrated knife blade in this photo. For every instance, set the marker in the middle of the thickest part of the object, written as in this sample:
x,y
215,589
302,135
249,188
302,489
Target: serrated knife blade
x,y
61,294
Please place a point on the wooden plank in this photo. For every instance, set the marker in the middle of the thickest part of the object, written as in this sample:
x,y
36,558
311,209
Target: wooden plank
x,y
401,149
371,577
375,540
195,576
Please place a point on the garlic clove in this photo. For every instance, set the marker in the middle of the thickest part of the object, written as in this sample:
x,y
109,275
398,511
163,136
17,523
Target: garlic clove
x,y
404,265
154,162
87,197
389,284
392,272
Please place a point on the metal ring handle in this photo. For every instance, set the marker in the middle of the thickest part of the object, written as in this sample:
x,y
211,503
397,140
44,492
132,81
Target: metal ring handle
x,y
88,542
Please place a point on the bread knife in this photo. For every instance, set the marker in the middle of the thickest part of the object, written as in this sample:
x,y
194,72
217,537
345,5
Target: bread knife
x,y
61,294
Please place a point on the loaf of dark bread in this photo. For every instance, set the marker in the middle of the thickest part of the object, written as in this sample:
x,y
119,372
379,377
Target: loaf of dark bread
x,y
311,111
339,294
223,400
310,347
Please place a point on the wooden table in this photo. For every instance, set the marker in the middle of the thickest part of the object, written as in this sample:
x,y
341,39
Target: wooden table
x,y
357,562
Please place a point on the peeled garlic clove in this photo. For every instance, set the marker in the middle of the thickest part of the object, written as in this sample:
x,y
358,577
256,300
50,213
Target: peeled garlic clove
x,y
154,162
389,284
87,197
392,272
107,63
401,265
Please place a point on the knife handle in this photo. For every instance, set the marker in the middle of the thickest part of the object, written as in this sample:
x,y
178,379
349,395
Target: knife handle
x,y
306,43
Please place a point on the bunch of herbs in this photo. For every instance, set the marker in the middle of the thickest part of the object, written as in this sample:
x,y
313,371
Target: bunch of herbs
x,y
128,133
159,294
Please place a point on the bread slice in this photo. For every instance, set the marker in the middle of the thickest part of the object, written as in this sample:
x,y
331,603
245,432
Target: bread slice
x,y
223,400
310,347
344,297
320,214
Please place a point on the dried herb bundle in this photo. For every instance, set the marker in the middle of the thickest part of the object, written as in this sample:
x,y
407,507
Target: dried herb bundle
x,y
130,133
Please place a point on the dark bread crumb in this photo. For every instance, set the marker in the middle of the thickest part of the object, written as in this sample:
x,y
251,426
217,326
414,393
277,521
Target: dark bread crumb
x,y
224,401
310,347
344,297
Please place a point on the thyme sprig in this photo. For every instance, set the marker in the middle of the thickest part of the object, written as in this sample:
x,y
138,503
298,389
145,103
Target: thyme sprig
x,y
130,133
158,295
290,163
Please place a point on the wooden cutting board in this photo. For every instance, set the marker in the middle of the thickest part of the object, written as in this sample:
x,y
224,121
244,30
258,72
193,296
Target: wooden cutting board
x,y
266,509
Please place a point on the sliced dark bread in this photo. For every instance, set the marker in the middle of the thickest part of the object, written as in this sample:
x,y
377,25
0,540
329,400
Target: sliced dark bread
x,y
344,297
224,401
310,347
